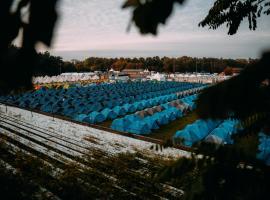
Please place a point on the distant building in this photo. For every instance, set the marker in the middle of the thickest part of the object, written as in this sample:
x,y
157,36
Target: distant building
x,y
134,73
119,77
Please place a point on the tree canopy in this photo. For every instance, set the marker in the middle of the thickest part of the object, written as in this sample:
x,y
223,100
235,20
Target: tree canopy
x,y
149,14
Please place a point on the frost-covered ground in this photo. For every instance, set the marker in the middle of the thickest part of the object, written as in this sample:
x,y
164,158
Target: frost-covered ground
x,y
98,139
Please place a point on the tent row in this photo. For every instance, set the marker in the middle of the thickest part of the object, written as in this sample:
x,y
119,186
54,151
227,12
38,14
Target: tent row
x,y
73,107
195,132
139,125
143,108
211,131
39,98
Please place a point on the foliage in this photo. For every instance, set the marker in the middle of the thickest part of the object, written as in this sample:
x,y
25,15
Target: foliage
x,y
51,65
222,172
232,13
148,14
37,28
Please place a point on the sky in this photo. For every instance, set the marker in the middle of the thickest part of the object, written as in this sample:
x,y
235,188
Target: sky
x,y
99,28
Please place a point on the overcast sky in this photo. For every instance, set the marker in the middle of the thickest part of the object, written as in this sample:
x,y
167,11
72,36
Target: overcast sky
x,y
98,28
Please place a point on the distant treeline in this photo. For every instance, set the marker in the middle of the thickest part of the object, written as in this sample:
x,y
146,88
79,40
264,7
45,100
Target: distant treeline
x,y
54,65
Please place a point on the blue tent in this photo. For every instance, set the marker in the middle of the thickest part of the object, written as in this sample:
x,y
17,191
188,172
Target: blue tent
x,y
119,124
152,123
171,115
132,118
108,113
177,113
211,124
166,106
194,132
138,105
145,104
202,125
129,108
46,108
187,139
96,107
138,127
161,118
68,111
153,102
108,104
96,117
80,117
119,110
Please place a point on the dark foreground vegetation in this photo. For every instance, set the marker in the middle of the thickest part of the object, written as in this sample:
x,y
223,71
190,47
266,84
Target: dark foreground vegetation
x,y
219,174
25,176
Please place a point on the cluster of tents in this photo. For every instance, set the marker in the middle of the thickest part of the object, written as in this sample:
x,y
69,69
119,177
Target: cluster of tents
x,y
106,99
65,77
112,113
143,124
212,131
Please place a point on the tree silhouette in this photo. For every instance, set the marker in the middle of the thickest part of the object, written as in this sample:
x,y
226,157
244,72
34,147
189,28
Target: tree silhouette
x,y
17,69
148,14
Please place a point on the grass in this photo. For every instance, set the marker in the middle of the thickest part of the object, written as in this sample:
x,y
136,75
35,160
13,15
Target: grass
x,y
166,132
106,123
